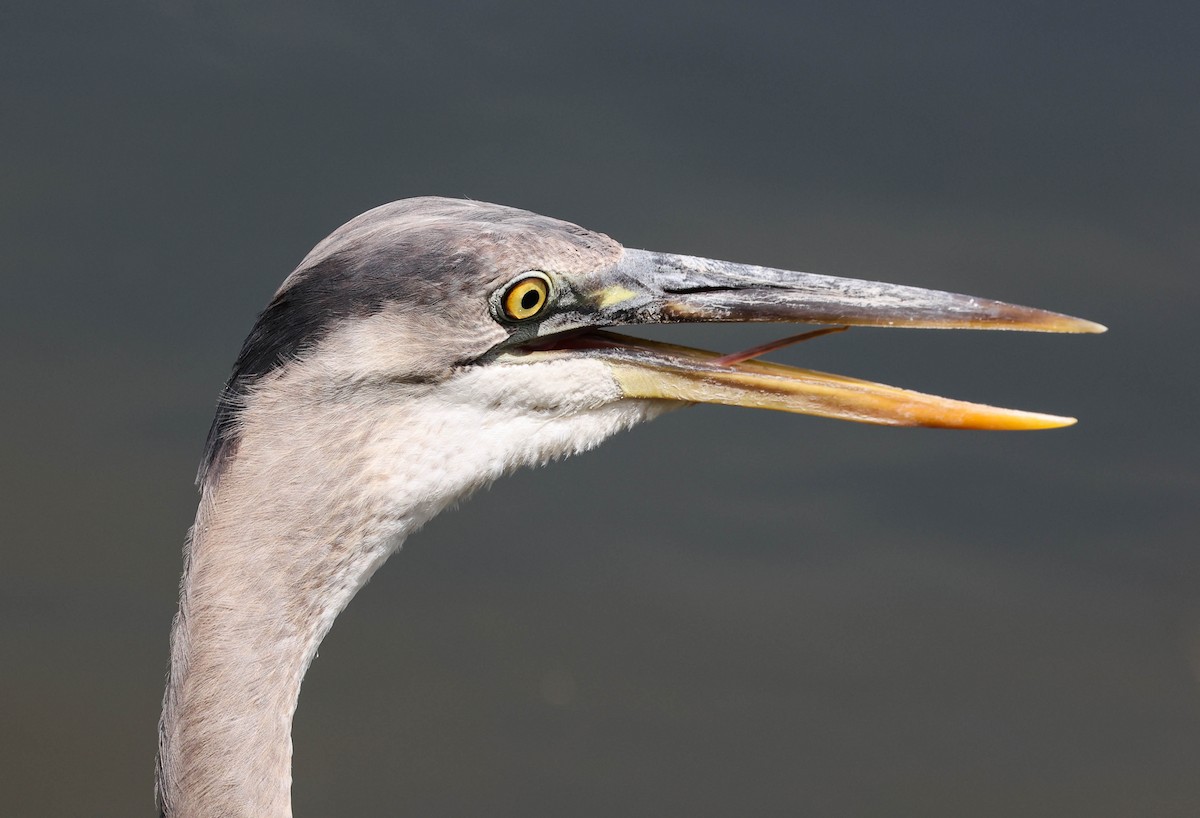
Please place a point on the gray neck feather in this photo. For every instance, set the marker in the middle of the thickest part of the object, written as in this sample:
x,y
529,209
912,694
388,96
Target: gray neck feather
x,y
328,479
280,544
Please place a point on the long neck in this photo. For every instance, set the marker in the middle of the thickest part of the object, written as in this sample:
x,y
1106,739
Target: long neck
x,y
296,523
321,489
253,610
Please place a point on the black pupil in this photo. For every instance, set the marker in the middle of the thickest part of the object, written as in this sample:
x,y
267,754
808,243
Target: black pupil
x,y
530,299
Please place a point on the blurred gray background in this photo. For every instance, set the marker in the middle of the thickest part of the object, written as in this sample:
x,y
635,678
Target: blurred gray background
x,y
720,613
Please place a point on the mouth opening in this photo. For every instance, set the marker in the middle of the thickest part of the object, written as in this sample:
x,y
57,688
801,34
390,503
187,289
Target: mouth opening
x,y
646,369
588,339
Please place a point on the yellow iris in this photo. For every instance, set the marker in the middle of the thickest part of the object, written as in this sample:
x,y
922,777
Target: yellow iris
x,y
526,297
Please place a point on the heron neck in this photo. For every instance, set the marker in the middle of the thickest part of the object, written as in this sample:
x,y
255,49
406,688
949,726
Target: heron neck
x,y
321,489
248,626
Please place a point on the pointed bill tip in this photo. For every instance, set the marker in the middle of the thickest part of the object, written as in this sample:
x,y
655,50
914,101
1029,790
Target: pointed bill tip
x,y
1056,322
965,312
949,414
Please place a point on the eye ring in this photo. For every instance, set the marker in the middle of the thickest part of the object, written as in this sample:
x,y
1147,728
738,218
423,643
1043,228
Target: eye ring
x,y
526,297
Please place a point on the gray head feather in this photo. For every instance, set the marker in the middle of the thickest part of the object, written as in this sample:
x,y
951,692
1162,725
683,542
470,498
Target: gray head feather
x,y
428,254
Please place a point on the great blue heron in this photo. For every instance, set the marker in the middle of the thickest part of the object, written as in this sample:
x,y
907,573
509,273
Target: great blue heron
x,y
419,352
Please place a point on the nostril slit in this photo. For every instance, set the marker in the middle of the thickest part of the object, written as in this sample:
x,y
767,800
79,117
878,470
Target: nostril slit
x,y
701,288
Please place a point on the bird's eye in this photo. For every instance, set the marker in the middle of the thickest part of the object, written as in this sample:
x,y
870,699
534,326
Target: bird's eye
x,y
526,297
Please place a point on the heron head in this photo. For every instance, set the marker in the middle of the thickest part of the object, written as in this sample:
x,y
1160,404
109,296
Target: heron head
x,y
503,309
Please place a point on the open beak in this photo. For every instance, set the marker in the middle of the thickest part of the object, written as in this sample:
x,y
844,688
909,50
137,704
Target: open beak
x,y
645,287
